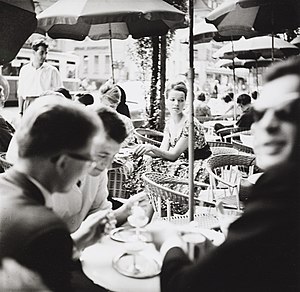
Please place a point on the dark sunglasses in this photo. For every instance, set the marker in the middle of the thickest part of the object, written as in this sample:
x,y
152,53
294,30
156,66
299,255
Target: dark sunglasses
x,y
288,113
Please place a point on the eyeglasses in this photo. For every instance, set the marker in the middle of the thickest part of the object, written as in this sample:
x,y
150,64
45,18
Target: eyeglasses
x,y
86,158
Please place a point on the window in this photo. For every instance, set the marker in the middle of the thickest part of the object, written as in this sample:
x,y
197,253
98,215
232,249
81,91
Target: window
x,y
96,64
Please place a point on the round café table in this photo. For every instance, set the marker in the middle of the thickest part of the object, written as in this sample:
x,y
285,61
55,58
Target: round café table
x,y
97,265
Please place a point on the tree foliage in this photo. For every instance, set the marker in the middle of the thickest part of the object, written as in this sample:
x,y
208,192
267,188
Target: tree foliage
x,y
150,55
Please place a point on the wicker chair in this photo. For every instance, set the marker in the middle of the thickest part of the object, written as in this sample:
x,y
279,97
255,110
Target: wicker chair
x,y
223,150
4,164
241,147
148,136
219,144
167,194
226,172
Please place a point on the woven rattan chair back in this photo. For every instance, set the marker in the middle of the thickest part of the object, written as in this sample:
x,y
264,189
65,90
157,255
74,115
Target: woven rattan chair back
x,y
223,150
226,172
4,164
162,188
241,148
219,144
170,200
148,136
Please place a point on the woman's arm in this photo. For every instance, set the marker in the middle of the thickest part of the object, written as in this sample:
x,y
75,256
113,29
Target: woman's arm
x,y
170,154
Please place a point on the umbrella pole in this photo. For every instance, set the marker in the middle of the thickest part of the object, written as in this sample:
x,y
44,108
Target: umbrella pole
x,y
272,23
256,74
234,80
191,76
111,54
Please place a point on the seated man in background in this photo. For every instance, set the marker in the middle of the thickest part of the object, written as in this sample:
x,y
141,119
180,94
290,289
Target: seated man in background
x,y
56,145
92,193
246,119
262,250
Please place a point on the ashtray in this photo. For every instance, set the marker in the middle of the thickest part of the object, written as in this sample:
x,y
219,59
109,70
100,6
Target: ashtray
x,y
127,234
136,265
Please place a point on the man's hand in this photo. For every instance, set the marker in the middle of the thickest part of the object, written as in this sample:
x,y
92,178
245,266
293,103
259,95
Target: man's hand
x,y
140,199
93,228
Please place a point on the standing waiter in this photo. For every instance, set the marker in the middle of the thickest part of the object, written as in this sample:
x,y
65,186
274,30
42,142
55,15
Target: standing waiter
x,y
37,76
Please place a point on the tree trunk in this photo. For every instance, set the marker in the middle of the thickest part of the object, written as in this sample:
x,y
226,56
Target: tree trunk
x,y
154,81
163,61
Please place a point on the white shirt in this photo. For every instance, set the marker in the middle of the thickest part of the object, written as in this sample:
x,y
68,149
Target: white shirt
x,y
33,82
73,207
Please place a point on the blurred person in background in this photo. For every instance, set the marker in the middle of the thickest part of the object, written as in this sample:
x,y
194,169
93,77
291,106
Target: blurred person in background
x,y
262,249
65,92
246,118
6,129
110,95
37,76
86,99
201,109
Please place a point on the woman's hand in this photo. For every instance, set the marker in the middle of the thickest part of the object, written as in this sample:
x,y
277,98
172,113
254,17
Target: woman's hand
x,y
142,149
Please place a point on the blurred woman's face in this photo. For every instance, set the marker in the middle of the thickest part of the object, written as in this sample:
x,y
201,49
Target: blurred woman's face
x,y
175,101
275,127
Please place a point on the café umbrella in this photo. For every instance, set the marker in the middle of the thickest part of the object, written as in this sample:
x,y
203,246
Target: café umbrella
x,y
17,23
260,17
110,19
257,47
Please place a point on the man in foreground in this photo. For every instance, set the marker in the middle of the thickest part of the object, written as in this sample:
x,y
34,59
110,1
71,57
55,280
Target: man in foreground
x,y
92,194
56,146
261,252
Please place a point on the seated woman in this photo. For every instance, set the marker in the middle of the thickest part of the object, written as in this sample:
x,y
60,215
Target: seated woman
x,y
173,152
110,95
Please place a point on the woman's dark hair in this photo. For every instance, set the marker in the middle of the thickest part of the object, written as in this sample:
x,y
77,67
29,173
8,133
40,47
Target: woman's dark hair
x,y
244,99
201,96
179,86
65,92
122,107
254,95
86,99
228,97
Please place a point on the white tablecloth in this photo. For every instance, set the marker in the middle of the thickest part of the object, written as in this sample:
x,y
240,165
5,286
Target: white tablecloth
x,y
97,265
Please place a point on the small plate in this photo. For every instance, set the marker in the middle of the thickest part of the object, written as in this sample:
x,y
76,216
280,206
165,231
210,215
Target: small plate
x,y
146,267
127,234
